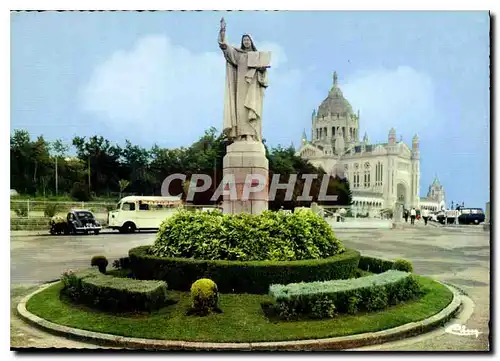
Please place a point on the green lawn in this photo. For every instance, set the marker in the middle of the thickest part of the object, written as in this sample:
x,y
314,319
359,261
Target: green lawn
x,y
242,319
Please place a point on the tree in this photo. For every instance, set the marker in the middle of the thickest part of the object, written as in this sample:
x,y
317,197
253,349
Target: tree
x,y
123,183
103,162
60,150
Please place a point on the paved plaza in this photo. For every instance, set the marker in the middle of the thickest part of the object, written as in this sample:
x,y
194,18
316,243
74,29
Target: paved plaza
x,y
460,256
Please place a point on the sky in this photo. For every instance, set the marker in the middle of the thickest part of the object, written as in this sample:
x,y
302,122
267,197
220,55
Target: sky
x,y
158,78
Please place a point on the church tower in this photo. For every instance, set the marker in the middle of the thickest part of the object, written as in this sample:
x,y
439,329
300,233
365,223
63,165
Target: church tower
x,y
334,118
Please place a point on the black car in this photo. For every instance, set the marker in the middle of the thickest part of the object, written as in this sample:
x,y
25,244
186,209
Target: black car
x,y
77,221
471,216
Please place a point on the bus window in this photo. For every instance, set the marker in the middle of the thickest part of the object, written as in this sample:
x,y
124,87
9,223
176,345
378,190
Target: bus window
x,y
143,207
128,207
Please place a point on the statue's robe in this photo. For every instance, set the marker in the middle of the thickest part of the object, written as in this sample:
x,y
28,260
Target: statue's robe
x,y
244,91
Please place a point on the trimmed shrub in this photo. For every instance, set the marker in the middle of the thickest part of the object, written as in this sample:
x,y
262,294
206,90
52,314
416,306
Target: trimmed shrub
x,y
402,265
321,299
274,236
123,263
237,276
375,265
51,209
101,262
114,294
204,296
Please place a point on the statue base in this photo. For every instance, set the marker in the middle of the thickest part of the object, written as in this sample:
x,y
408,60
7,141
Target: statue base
x,y
244,158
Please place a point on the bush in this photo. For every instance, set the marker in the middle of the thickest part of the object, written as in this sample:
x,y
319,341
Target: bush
x,y
402,265
237,276
21,210
101,262
51,209
322,299
114,294
80,192
275,236
374,265
123,263
204,296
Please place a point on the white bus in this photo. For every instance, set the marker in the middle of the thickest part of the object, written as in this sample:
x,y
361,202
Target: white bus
x,y
142,213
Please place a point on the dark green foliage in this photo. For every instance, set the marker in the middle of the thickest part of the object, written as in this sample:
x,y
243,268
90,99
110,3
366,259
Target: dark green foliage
x,y
237,276
113,293
103,164
101,262
123,263
51,209
323,307
276,236
80,192
402,265
375,265
322,299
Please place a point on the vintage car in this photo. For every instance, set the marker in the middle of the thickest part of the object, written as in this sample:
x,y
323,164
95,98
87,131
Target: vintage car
x,y
471,216
76,221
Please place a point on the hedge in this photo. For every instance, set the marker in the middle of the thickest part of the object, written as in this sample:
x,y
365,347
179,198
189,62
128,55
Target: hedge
x,y
378,265
269,236
324,299
239,276
114,294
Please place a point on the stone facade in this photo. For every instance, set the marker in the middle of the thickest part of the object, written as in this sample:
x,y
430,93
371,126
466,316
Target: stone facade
x,y
379,174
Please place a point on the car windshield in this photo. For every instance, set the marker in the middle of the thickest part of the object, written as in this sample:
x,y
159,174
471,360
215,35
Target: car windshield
x,y
86,215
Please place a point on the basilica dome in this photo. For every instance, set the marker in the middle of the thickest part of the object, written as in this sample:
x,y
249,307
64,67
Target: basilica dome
x,y
335,103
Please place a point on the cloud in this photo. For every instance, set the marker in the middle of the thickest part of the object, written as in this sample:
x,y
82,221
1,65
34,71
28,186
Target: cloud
x,y
402,98
171,94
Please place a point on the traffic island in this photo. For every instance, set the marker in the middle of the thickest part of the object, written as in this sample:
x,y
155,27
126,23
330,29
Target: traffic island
x,y
241,326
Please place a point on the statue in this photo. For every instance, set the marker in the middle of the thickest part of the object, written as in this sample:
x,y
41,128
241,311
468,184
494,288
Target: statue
x,y
246,79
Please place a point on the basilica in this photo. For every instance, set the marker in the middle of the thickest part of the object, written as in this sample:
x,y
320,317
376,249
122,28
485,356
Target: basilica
x,y
378,174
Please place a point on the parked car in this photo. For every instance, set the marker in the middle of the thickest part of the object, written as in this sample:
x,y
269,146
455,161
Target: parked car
x,y
448,216
76,221
471,216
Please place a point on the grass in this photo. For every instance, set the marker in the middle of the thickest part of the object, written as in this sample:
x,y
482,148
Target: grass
x,y
242,320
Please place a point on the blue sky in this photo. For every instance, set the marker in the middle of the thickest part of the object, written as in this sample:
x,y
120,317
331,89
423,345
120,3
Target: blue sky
x,y
157,77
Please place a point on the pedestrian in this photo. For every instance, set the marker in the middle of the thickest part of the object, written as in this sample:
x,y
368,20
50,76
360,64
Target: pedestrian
x,y
425,215
413,215
405,215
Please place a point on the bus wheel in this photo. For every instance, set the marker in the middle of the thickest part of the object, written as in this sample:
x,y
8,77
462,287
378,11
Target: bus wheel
x,y
128,227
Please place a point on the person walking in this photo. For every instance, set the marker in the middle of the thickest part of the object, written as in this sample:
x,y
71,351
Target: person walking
x,y
425,215
405,215
413,214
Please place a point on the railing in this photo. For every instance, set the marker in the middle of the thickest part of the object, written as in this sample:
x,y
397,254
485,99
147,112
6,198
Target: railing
x,y
36,209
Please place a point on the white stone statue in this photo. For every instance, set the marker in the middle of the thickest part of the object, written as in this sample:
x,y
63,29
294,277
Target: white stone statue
x,y
246,79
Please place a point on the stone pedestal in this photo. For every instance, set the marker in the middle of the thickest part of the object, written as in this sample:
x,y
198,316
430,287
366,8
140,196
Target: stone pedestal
x,y
398,215
486,225
246,158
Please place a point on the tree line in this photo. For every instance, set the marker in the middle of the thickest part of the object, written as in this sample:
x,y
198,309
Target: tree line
x,y
101,169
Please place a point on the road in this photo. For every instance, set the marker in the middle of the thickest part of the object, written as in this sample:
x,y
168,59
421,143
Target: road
x,y
458,256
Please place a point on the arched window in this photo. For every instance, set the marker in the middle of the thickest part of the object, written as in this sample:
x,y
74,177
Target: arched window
x,y
367,175
378,174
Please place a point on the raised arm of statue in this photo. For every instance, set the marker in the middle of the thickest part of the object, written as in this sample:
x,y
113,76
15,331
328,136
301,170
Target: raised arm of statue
x,y
222,34
228,50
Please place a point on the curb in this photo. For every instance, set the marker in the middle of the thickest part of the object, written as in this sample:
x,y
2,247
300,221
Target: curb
x,y
334,343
